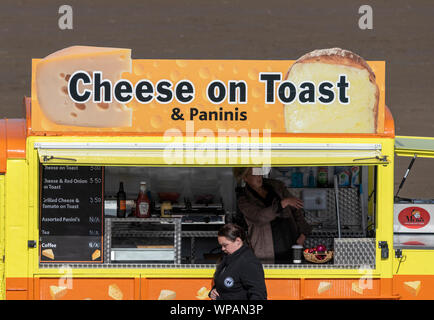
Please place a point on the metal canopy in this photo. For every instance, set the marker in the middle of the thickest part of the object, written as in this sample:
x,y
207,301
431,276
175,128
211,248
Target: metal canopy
x,y
410,146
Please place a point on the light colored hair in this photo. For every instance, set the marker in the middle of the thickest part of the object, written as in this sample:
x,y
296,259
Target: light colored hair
x,y
240,172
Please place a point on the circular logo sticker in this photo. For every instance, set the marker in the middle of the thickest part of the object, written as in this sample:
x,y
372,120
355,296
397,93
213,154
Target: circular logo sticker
x,y
414,217
229,282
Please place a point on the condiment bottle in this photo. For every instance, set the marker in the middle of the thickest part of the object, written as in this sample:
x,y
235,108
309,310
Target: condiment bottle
x,y
322,177
121,202
355,176
297,179
142,202
311,179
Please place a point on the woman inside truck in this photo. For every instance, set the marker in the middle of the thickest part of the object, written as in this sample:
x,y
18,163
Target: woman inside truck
x,y
273,215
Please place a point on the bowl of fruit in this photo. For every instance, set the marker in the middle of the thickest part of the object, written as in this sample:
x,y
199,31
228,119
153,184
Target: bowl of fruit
x,y
318,254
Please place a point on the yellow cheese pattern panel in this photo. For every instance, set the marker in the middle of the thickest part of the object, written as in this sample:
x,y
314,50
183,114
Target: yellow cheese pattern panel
x,y
167,81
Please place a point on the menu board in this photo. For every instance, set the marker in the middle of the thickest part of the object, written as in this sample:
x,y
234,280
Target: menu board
x,y
71,214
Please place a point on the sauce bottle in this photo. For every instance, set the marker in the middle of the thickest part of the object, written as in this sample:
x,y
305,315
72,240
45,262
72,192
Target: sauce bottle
x,y
311,179
322,177
142,202
297,179
121,202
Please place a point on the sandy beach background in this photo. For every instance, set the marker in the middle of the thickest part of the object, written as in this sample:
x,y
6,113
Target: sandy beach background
x,y
402,35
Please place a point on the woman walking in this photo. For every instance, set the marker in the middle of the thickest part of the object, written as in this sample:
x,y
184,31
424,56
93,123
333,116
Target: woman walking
x,y
240,275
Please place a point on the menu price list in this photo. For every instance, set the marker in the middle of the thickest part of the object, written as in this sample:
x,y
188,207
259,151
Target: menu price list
x,y
71,220
71,249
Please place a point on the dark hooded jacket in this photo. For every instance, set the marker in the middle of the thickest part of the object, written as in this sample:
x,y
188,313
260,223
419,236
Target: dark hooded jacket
x,y
240,276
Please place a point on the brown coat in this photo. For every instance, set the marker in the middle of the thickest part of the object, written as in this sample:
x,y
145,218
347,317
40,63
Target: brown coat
x,y
258,218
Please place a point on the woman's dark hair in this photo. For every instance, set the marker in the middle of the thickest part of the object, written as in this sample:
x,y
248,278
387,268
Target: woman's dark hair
x,y
232,231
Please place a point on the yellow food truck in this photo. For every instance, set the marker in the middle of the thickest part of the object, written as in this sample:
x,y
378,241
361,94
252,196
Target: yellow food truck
x,y
181,126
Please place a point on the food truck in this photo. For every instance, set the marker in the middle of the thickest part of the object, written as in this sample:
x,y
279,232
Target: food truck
x,y
97,119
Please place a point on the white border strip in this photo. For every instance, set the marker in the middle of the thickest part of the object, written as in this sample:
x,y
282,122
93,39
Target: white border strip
x,y
207,146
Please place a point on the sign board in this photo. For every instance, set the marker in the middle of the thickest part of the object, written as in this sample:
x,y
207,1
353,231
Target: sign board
x,y
207,97
413,218
71,213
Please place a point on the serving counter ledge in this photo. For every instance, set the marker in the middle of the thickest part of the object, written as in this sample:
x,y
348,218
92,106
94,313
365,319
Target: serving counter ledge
x,y
200,266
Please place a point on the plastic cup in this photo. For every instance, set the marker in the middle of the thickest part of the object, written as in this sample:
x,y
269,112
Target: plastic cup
x,y
297,251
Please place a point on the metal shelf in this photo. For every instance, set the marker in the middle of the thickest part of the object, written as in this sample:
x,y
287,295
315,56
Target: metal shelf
x,y
176,234
184,234
144,220
140,234
199,234
122,228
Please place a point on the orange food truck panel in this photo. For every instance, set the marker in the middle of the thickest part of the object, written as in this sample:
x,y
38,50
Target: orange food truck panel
x,y
414,287
408,287
87,289
176,289
12,141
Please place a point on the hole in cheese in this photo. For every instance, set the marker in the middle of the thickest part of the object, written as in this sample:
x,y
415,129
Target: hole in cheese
x,y
65,89
80,106
103,105
139,70
73,114
62,75
67,77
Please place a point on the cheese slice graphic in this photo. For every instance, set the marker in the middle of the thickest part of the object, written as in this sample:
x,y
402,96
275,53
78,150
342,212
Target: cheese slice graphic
x,y
96,254
202,293
324,286
413,287
48,253
167,295
115,292
52,76
57,292
356,288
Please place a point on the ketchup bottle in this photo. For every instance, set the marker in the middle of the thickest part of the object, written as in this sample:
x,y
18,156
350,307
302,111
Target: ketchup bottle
x,y
143,203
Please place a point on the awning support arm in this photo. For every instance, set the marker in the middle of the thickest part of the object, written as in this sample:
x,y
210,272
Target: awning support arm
x,y
382,158
48,158
405,175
